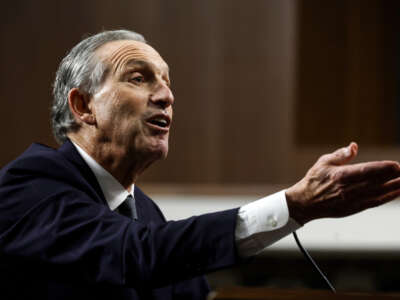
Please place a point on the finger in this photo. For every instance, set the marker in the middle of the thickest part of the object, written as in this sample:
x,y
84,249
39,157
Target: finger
x,y
372,172
367,190
387,197
341,156
361,199
385,188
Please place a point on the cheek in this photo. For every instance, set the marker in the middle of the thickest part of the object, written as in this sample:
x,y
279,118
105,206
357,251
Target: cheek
x,y
104,106
118,109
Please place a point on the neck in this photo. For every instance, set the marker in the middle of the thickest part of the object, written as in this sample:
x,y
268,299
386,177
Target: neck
x,y
124,166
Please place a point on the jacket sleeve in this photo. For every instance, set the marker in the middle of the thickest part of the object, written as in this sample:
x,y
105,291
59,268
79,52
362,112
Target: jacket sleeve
x,y
58,229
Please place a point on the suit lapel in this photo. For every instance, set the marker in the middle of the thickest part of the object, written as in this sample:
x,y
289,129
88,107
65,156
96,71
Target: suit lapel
x,y
147,211
69,151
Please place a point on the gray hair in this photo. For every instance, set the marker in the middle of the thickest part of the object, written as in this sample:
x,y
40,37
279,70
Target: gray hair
x,y
80,69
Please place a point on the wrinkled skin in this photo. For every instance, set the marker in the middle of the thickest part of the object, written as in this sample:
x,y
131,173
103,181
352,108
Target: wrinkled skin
x,y
334,188
115,122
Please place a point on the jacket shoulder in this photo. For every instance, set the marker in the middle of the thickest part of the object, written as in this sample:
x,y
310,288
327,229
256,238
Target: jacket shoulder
x,y
36,157
49,169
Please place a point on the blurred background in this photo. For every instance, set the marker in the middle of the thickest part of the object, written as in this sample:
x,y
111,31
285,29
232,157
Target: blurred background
x,y
262,89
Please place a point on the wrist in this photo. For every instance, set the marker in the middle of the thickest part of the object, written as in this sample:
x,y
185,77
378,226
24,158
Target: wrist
x,y
297,210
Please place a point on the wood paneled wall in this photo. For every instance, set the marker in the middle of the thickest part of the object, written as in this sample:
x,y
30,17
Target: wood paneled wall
x,y
348,73
230,67
237,72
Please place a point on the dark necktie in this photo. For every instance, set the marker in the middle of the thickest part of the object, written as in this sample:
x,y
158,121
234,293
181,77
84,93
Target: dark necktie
x,y
128,208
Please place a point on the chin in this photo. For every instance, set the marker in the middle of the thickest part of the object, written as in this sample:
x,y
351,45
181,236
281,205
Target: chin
x,y
159,150
164,154
162,146
161,153
152,149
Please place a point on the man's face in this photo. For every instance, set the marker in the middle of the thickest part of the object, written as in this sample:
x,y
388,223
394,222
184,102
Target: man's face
x,y
133,107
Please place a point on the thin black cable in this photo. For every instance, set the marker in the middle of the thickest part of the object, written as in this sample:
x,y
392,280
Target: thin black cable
x,y
309,258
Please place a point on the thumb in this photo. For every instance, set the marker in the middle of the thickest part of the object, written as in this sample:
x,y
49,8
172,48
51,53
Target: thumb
x,y
342,155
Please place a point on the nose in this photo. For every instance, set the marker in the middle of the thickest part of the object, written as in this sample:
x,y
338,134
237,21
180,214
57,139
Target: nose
x,y
162,96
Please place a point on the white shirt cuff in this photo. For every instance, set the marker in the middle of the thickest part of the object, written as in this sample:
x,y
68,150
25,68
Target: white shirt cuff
x,y
262,223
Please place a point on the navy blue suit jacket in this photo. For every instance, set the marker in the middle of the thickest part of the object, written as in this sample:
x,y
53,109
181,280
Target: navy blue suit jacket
x,y
60,240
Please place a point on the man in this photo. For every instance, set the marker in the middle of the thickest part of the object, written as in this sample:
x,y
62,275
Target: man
x,y
64,230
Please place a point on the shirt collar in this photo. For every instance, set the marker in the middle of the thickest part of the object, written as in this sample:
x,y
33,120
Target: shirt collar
x,y
113,191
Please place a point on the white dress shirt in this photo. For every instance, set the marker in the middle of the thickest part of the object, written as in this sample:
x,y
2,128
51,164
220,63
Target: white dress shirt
x,y
262,223
112,190
259,223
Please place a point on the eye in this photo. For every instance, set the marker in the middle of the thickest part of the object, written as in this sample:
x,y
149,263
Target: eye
x,y
137,78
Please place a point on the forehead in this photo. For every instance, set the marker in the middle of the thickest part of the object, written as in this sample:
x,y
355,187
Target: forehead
x,y
120,54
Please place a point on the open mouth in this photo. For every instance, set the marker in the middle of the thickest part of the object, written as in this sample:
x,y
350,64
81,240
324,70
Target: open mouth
x,y
160,122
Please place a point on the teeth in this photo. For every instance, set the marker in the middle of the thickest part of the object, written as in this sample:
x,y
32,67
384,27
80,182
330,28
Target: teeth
x,y
162,121
159,122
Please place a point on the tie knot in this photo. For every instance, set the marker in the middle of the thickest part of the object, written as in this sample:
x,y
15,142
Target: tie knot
x,y
128,207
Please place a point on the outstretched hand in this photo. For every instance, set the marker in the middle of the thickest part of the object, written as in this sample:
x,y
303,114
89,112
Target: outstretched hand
x,y
333,188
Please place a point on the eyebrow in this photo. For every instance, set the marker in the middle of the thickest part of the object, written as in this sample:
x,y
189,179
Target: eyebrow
x,y
143,64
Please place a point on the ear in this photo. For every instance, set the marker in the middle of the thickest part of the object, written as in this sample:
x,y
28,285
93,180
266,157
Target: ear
x,y
79,104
